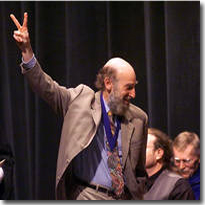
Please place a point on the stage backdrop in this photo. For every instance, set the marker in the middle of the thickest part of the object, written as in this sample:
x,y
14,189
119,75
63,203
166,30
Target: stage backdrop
x,y
72,41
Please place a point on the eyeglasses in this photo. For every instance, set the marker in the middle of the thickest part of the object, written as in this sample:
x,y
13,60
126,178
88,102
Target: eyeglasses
x,y
185,161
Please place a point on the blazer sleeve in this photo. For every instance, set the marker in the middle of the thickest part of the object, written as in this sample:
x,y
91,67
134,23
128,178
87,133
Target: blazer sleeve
x,y
58,97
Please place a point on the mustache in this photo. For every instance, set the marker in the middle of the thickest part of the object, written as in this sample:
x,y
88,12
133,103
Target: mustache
x,y
128,98
184,171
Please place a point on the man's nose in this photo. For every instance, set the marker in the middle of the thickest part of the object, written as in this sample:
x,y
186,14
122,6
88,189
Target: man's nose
x,y
181,165
132,93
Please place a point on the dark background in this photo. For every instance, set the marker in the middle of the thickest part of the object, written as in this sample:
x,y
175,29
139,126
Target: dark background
x,y
72,40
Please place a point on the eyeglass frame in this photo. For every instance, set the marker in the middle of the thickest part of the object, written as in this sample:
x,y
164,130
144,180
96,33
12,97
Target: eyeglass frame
x,y
185,161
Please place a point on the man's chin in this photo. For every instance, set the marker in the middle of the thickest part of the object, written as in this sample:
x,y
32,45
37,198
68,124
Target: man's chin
x,y
119,107
185,175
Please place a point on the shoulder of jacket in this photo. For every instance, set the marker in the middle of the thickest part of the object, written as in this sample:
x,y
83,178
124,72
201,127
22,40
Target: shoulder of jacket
x,y
83,88
81,91
138,112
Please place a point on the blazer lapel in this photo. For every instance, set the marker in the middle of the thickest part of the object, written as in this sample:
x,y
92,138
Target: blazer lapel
x,y
96,109
127,129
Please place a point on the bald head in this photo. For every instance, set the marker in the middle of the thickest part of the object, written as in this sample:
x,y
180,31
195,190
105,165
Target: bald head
x,y
114,68
119,65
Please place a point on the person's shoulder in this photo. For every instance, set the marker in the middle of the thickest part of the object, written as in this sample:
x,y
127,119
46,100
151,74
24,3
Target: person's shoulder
x,y
183,190
171,173
80,92
180,180
183,183
82,88
137,112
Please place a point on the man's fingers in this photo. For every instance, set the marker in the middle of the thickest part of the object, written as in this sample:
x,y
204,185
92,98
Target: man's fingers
x,y
17,32
25,20
18,25
17,38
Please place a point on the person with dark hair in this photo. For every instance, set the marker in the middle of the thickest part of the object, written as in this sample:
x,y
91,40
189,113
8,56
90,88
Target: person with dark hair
x,y
186,149
6,172
104,136
162,182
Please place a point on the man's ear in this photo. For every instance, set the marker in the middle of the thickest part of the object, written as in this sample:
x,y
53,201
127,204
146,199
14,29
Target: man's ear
x,y
160,153
108,84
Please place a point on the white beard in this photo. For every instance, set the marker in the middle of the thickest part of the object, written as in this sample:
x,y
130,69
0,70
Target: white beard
x,y
116,104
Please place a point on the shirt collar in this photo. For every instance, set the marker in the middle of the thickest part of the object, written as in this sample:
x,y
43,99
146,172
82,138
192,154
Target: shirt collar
x,y
106,105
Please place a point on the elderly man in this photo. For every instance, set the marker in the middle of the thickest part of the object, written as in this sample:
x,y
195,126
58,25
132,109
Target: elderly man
x,y
103,137
186,149
162,182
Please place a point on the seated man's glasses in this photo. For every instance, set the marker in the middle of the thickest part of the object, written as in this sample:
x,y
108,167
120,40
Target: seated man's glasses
x,y
185,161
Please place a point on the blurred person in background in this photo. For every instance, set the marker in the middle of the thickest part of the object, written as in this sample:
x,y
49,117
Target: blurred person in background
x,y
162,182
6,170
186,150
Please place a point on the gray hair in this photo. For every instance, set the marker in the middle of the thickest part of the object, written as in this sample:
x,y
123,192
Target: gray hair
x,y
105,71
186,138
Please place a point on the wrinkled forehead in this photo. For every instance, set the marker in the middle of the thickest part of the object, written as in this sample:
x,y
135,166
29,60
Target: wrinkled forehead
x,y
127,75
188,152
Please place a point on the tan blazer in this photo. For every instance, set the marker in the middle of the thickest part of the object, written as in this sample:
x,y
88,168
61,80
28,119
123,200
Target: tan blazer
x,y
81,109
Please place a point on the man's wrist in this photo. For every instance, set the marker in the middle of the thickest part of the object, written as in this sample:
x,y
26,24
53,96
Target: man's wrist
x,y
27,54
29,64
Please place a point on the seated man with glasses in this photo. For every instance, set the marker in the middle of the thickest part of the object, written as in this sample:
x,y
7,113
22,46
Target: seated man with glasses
x,y
163,183
186,150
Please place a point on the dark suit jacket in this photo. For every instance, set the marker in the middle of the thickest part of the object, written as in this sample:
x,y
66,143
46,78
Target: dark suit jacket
x,y
81,109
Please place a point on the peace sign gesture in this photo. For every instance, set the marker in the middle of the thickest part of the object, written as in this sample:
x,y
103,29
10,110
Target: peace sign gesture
x,y
22,37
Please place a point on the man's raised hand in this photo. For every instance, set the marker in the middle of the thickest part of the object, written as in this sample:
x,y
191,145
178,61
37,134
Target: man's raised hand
x,y
22,37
